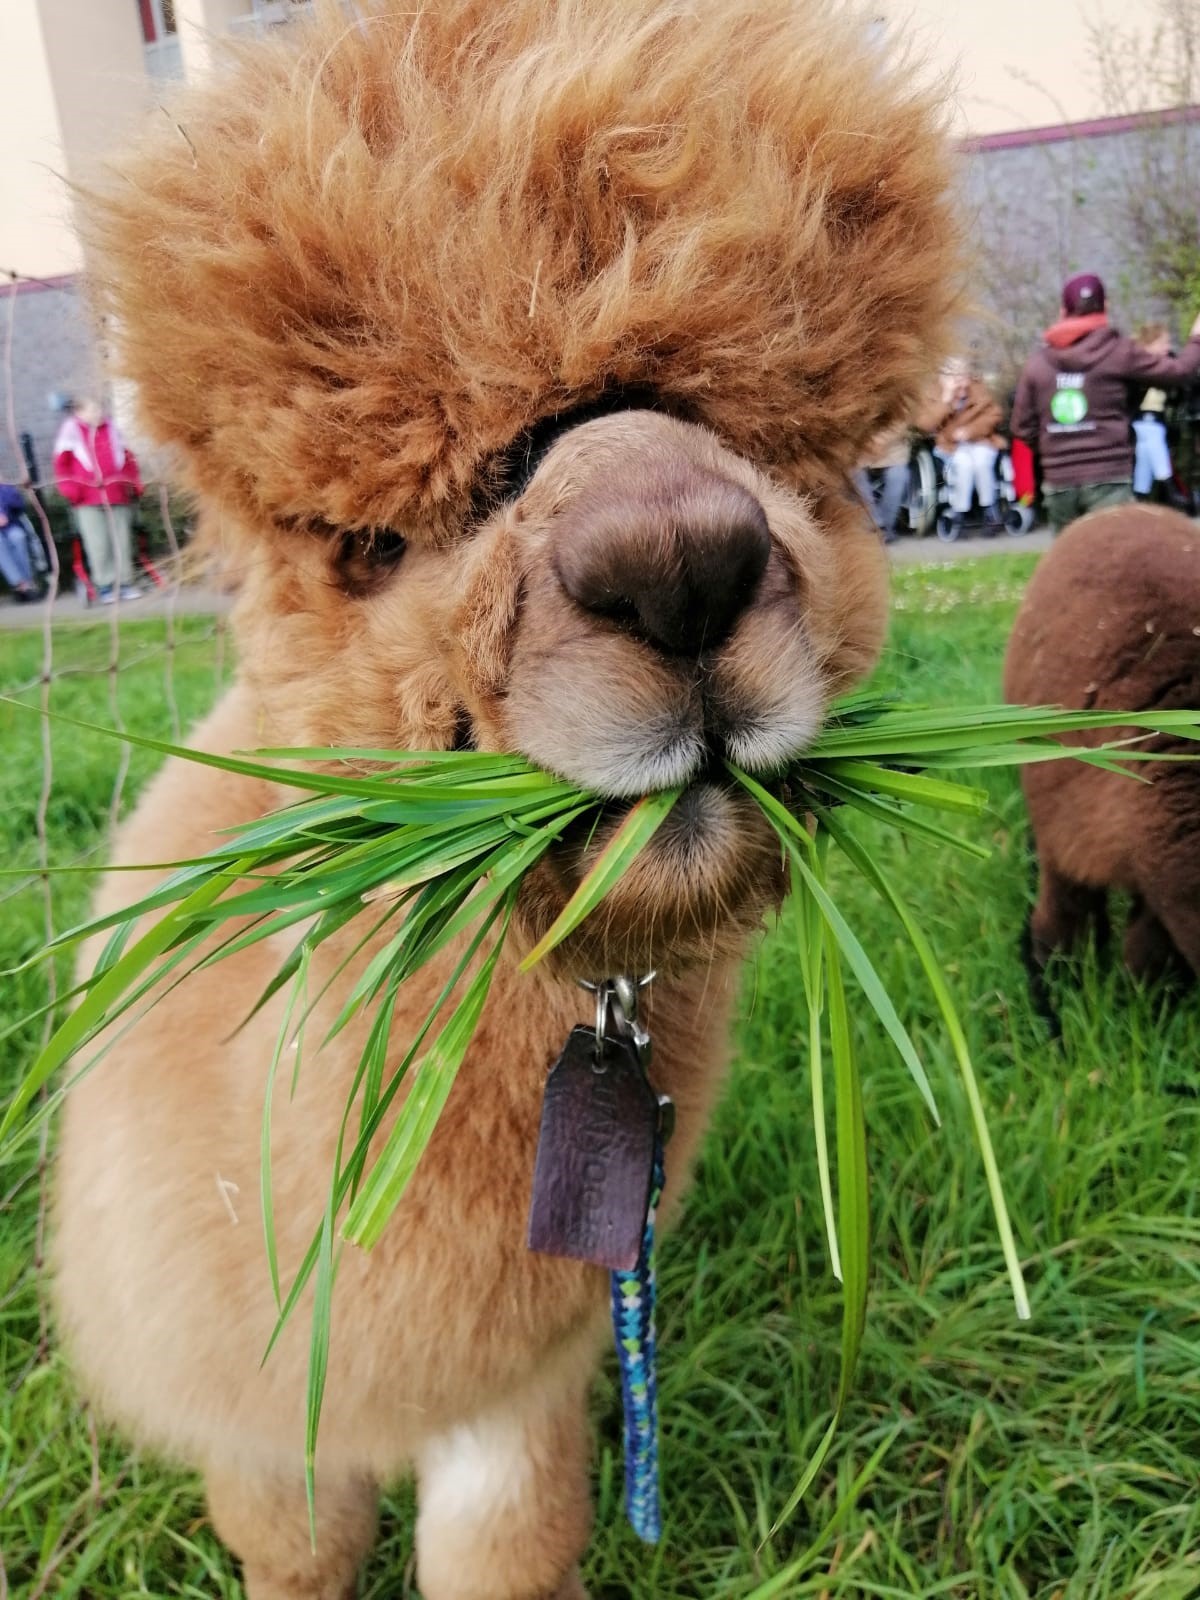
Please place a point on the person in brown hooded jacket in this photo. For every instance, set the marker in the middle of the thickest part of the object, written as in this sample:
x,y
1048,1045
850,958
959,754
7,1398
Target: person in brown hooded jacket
x,y
963,419
1073,404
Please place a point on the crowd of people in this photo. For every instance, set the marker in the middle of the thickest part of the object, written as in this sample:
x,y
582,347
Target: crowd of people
x,y
1087,420
1089,410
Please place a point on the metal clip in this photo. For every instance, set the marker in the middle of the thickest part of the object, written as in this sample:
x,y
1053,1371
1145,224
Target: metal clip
x,y
617,1016
617,1012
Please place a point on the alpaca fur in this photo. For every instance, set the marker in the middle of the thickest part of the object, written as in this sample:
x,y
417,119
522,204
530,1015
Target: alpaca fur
x,y
346,276
1111,621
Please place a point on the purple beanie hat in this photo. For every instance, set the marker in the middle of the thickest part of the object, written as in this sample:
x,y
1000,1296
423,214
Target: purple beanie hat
x,y
1083,295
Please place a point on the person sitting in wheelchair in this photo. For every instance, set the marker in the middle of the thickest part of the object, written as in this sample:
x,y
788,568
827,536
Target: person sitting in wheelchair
x,y
964,422
18,548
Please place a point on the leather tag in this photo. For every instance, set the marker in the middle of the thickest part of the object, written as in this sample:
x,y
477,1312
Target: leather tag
x,y
595,1156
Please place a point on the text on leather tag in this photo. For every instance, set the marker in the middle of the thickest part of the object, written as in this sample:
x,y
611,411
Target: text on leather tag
x,y
595,1156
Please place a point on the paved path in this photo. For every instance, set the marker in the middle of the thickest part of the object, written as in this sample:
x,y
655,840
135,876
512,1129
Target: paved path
x,y
197,600
908,552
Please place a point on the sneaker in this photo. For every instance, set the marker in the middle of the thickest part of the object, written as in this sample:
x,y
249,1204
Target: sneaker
x,y
105,596
128,592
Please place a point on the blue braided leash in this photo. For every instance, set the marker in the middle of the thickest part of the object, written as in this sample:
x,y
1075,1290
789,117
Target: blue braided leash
x,y
633,1327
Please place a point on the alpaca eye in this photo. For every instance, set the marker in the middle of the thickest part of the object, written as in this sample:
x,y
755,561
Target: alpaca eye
x,y
379,547
367,556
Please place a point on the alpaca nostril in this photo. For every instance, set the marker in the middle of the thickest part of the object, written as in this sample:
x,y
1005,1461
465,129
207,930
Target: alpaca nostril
x,y
678,571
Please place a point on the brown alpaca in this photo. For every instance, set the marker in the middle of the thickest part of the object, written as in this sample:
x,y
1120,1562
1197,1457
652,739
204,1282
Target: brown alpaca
x,y
355,281
1111,621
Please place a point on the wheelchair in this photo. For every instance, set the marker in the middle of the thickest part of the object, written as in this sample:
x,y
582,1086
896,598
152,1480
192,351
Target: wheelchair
x,y
918,508
929,510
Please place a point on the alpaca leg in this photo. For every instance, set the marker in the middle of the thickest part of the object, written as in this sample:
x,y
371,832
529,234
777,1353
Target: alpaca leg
x,y
1149,951
1175,901
504,1503
1063,914
1167,861
264,1521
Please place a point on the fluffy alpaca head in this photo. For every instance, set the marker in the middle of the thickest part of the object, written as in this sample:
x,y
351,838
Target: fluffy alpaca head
x,y
354,276
346,275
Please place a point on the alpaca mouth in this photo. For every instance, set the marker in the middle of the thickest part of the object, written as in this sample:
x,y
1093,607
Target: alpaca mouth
x,y
700,885
698,802
707,824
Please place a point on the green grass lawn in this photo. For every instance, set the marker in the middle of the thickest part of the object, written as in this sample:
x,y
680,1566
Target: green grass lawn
x,y
981,1457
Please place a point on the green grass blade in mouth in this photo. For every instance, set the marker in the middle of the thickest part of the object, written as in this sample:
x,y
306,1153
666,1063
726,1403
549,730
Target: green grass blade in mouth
x,y
823,787
618,855
464,766
266,1185
348,1175
1116,755
442,841
812,973
913,787
875,875
895,735
854,1212
433,1079
318,1364
793,836
95,1008
870,982
312,782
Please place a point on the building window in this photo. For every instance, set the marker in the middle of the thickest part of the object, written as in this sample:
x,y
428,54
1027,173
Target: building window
x,y
160,38
158,20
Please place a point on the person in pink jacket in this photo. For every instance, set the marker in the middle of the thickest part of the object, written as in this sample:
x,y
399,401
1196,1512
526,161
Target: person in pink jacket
x,y
97,473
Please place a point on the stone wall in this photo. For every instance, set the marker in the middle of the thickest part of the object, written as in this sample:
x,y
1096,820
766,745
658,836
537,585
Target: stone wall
x,y
52,348
1052,206
1040,206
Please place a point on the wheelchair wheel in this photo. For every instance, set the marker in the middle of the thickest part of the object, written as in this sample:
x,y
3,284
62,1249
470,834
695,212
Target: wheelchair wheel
x,y
949,528
1018,519
922,504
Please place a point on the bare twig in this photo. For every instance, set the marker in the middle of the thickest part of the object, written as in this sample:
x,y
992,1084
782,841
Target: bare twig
x,y
172,601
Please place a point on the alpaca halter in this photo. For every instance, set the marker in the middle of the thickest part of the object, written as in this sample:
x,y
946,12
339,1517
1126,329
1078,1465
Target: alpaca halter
x,y
597,1184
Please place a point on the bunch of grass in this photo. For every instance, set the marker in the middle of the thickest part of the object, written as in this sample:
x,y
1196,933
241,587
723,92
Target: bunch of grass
x,y
431,848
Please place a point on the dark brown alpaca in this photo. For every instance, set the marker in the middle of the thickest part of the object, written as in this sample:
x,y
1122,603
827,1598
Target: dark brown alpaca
x,y
1111,620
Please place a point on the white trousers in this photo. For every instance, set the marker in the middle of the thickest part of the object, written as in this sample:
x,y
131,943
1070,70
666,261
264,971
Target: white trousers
x,y
971,470
1152,456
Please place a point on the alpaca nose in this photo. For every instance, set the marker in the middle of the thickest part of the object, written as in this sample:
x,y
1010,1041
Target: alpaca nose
x,y
677,567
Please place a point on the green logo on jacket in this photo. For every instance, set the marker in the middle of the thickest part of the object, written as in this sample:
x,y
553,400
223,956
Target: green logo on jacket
x,y
1069,407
